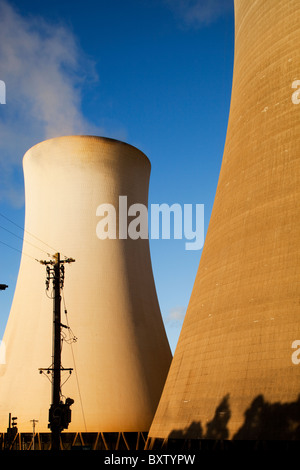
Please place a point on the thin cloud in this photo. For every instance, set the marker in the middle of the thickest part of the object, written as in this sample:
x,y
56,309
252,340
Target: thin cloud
x,y
44,71
198,13
176,315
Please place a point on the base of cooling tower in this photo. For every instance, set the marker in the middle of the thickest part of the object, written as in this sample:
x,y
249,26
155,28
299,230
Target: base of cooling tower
x,y
122,441
186,446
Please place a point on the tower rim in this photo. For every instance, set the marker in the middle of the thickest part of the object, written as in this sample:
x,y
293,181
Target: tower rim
x,y
108,140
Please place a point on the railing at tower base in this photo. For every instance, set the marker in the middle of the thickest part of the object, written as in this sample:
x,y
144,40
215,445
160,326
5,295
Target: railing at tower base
x,y
139,441
119,441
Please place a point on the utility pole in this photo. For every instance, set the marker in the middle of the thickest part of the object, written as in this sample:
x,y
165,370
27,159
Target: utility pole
x,y
56,350
12,430
59,413
33,430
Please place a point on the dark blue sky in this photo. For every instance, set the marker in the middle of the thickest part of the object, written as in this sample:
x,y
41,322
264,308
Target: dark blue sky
x,y
154,73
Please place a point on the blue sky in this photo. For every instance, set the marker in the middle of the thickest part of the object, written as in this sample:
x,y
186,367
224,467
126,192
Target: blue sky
x,y
154,73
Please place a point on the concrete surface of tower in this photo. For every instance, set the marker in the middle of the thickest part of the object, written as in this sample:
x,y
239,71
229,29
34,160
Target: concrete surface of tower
x,y
122,354
233,375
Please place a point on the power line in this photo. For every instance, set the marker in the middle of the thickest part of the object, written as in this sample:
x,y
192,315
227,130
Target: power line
x,y
16,249
73,356
26,241
29,233
33,421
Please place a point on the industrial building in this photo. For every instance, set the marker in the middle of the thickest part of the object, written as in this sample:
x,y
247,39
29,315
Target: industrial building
x,y
232,376
115,353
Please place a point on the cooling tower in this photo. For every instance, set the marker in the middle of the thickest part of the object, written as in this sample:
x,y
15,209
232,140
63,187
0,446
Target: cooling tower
x,y
233,375
121,355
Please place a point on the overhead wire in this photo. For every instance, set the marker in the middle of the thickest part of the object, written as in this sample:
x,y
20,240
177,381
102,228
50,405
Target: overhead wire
x,y
16,249
30,234
51,296
21,238
72,351
27,231
71,340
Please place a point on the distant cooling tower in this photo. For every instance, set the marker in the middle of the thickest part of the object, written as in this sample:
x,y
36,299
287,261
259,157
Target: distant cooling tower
x,y
233,375
121,357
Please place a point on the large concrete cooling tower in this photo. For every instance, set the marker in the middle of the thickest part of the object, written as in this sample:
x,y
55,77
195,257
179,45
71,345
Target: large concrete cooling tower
x,y
121,357
232,374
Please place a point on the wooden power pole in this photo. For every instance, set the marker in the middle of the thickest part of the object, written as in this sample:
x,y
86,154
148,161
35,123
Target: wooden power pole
x,y
59,413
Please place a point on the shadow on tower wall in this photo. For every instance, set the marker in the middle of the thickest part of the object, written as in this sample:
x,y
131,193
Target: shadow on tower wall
x,y
265,425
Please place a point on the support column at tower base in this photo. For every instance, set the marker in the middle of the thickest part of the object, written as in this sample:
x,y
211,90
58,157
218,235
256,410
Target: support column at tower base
x,y
118,441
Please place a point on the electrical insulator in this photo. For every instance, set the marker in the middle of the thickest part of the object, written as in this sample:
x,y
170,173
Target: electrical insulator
x,y
62,274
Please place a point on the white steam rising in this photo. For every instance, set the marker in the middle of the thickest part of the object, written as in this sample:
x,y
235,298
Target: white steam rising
x,y
198,13
44,71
